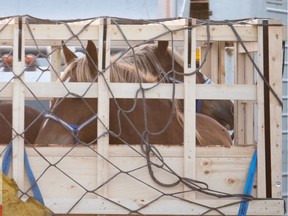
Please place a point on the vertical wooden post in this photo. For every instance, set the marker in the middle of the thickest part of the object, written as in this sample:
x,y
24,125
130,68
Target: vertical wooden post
x,y
244,118
214,62
103,105
189,106
214,67
261,169
55,62
221,63
275,80
249,105
18,102
238,105
206,69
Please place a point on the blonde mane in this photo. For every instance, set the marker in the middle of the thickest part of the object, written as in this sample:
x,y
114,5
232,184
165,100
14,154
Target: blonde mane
x,y
146,59
76,71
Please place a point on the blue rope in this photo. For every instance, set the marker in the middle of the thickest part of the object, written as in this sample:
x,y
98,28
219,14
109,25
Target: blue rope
x,y
5,169
248,185
75,131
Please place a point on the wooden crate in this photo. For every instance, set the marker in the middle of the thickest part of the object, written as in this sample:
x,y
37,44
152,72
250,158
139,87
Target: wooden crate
x,y
68,175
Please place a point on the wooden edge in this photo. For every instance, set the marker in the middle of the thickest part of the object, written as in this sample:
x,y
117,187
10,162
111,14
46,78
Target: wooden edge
x,y
172,206
56,150
127,90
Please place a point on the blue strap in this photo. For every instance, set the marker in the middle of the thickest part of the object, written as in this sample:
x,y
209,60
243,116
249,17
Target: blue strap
x,y
34,185
75,131
249,185
7,159
5,169
198,105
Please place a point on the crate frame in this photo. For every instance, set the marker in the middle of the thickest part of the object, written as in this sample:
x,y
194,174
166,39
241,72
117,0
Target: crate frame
x,y
251,34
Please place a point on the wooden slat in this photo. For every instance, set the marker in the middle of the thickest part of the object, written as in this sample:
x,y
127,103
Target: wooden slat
x,y
249,105
261,170
103,109
250,46
224,33
55,63
239,105
56,150
120,90
217,32
190,108
221,63
244,117
52,35
6,34
206,68
214,62
275,69
18,110
48,34
172,207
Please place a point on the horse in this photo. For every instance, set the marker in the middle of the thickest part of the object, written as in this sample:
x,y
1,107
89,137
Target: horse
x,y
131,121
144,120
167,64
33,121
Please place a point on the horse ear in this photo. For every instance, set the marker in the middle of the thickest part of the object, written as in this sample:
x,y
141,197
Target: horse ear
x,y
92,55
162,46
69,56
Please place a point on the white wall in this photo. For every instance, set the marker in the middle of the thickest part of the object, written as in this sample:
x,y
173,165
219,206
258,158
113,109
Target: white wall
x,y
72,9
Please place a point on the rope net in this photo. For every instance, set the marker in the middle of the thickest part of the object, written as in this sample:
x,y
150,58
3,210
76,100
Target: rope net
x,y
131,179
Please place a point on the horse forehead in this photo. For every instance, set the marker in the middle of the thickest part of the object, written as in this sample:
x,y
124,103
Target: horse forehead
x,y
170,55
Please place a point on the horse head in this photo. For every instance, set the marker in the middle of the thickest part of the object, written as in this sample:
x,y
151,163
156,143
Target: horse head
x,y
61,125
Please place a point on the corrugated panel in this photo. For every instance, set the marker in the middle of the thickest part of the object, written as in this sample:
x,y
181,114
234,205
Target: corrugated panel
x,y
277,9
277,6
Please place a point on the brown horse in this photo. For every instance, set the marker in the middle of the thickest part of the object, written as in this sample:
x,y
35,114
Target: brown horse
x,y
211,132
131,121
167,64
33,121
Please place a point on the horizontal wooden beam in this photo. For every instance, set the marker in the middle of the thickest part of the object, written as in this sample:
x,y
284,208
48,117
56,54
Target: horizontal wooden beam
x,y
6,35
44,91
57,150
172,207
50,34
